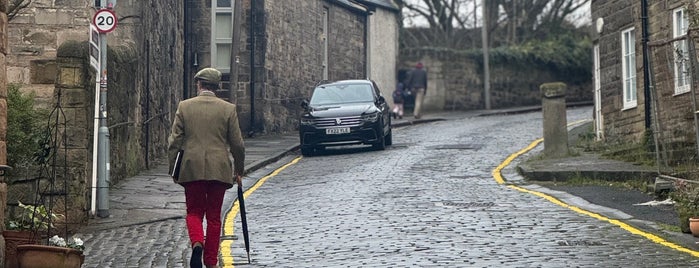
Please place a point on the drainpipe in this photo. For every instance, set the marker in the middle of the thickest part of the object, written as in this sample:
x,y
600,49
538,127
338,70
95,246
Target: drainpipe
x,y
367,42
646,67
235,49
187,51
252,68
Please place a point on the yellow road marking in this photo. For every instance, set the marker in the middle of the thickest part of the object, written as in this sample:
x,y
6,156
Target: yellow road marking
x,y
229,219
654,238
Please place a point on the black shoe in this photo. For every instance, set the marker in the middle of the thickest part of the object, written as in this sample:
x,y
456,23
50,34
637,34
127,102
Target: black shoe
x,y
195,261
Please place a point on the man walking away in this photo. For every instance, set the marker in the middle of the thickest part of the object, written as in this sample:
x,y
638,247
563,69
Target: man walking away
x,y
417,82
206,129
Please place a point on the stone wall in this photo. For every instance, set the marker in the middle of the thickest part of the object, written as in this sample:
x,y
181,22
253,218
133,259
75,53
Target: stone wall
x,y
675,111
455,81
288,58
619,124
675,129
3,120
145,66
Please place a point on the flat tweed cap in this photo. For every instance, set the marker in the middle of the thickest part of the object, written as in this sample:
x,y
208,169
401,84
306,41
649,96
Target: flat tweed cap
x,y
210,75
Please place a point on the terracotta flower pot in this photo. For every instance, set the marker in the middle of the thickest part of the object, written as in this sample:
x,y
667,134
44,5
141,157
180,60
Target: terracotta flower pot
x,y
694,226
14,238
40,256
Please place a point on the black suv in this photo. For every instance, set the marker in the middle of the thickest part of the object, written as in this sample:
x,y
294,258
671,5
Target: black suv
x,y
347,112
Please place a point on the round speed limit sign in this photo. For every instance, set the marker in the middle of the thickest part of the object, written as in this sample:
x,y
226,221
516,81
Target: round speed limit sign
x,y
105,20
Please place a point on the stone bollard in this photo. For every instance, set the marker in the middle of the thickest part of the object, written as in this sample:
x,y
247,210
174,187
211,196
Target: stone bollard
x,y
555,123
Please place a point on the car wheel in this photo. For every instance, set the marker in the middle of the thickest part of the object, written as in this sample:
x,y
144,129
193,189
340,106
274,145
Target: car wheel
x,y
389,138
381,143
307,151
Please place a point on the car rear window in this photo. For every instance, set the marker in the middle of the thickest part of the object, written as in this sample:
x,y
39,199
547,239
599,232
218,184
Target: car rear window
x,y
338,94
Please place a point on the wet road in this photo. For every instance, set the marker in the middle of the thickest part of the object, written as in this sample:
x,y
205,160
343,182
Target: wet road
x,y
431,201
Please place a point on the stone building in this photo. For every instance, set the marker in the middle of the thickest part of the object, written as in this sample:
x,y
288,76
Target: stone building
x,y
3,120
643,84
279,49
297,44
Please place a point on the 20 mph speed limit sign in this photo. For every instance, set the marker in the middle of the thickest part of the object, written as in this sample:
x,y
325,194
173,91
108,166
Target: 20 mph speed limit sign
x,y
105,20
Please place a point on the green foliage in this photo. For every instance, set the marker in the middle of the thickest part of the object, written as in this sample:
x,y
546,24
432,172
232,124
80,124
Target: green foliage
x,y
25,127
565,55
32,217
686,197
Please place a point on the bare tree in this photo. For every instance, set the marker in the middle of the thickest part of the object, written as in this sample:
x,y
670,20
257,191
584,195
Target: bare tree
x,y
15,6
527,19
441,16
514,20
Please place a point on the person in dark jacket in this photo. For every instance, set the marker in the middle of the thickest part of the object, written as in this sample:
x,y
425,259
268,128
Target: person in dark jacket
x,y
206,129
417,82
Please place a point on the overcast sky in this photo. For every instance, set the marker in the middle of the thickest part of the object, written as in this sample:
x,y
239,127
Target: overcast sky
x,y
581,17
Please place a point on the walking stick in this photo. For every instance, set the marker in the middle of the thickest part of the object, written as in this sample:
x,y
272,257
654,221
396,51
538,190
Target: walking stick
x,y
241,203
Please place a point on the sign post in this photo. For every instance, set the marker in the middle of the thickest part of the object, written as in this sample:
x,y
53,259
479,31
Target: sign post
x,y
104,21
95,56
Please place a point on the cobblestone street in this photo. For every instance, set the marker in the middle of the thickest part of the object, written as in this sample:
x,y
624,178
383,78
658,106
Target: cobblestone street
x,y
430,200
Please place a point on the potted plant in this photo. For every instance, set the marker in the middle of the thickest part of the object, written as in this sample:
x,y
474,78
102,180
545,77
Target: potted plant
x,y
24,228
60,253
686,197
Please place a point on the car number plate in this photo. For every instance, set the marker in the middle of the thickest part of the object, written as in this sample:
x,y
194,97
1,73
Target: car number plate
x,y
337,130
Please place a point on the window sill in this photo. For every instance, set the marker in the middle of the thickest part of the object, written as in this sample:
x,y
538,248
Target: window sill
x,y
629,107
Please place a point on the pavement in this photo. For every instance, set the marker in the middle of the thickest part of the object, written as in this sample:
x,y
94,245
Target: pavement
x,y
151,196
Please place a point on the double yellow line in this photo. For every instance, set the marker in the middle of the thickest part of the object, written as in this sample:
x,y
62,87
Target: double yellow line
x,y
654,238
229,220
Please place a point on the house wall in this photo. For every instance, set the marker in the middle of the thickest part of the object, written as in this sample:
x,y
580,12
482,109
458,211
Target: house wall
x,y
144,69
3,118
675,112
290,59
383,50
34,36
619,124
674,126
287,55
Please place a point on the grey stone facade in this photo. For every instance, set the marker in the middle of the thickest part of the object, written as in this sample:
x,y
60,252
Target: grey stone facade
x,y
144,71
288,55
619,123
674,126
154,51
456,81
3,120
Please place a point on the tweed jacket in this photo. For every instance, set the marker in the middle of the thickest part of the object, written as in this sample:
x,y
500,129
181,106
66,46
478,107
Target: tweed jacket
x,y
206,129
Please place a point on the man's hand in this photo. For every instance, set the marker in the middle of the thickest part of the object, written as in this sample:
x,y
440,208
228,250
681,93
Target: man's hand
x,y
239,180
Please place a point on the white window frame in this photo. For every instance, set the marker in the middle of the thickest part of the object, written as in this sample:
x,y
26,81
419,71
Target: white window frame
x,y
216,41
599,117
628,63
680,51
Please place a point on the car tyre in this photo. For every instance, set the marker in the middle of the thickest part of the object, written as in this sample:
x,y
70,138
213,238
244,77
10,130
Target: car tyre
x,y
389,138
381,143
307,151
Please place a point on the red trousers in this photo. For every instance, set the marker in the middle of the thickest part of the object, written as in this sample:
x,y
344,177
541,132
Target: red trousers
x,y
205,198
